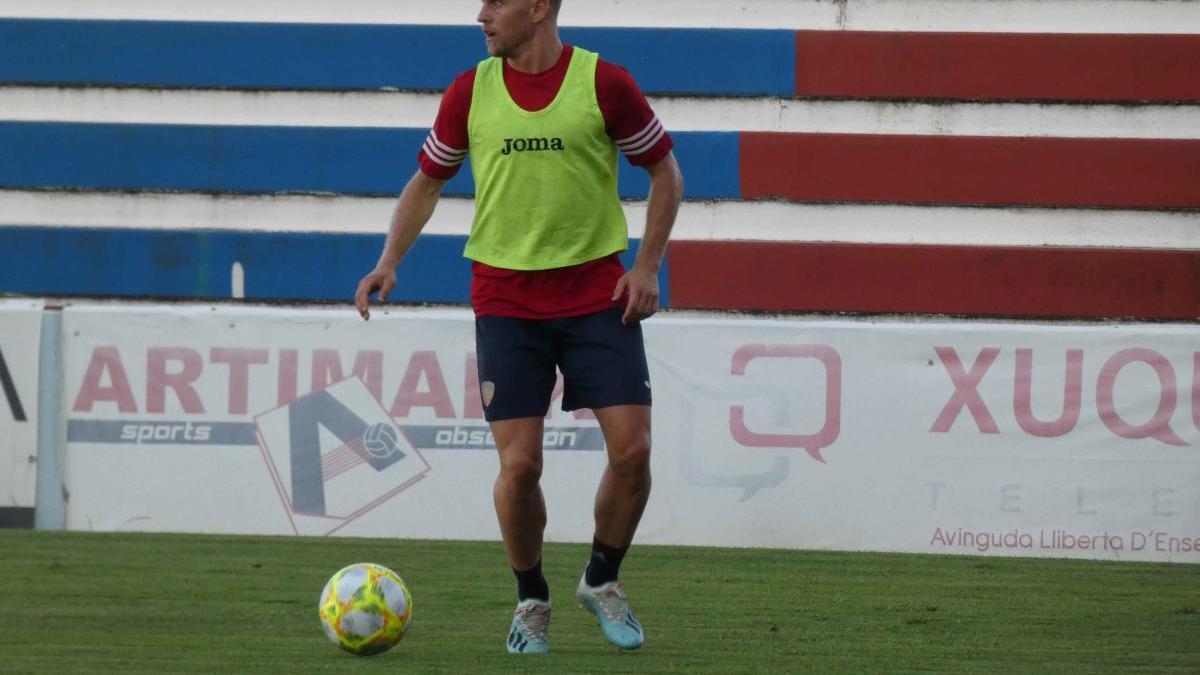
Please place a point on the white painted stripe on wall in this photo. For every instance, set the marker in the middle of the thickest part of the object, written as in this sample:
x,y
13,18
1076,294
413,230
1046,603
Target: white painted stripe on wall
x,y
1070,16
170,211
1024,16
770,221
958,119
418,110
190,106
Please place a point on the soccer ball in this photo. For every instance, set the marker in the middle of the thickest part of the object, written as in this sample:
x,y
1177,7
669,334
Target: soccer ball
x,y
365,609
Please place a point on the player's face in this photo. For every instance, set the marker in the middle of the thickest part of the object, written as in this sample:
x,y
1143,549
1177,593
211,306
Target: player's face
x,y
507,25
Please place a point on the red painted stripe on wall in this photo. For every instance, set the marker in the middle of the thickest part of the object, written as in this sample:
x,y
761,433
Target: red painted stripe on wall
x,y
957,280
1116,172
998,66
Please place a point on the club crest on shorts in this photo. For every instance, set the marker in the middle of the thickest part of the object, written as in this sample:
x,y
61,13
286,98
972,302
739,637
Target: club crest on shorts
x,y
488,391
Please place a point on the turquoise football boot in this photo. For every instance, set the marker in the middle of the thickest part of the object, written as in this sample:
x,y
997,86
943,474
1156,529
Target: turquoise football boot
x,y
607,601
530,630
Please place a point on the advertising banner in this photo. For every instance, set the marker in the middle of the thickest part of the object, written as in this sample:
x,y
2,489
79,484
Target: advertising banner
x,y
935,437
941,437
20,337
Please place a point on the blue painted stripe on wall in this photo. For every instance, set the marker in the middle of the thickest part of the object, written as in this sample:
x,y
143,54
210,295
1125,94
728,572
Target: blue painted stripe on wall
x,y
707,61
355,161
198,264
336,56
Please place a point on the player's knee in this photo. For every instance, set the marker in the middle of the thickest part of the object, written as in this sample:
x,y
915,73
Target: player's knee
x,y
632,458
521,470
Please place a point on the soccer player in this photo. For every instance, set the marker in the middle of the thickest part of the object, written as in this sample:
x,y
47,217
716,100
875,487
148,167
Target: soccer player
x,y
542,123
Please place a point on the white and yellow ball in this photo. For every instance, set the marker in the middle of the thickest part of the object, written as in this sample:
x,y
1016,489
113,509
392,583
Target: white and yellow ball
x,y
365,608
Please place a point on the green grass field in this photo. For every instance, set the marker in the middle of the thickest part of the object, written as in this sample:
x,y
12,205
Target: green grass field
x,y
140,603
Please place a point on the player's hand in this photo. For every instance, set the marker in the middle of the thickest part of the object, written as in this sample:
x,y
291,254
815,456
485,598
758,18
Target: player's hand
x,y
642,287
381,281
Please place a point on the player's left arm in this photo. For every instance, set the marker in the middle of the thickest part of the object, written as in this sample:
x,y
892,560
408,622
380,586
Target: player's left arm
x,y
641,137
641,282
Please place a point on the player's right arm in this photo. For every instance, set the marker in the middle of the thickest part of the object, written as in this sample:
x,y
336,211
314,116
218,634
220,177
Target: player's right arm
x,y
440,158
413,211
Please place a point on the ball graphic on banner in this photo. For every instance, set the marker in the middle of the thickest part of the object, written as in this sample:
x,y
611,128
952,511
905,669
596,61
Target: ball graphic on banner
x,y
380,440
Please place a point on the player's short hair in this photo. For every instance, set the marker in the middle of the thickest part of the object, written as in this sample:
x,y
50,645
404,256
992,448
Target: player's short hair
x,y
555,5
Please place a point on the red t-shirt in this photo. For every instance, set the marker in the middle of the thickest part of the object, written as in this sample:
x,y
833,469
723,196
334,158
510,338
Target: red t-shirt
x,y
629,121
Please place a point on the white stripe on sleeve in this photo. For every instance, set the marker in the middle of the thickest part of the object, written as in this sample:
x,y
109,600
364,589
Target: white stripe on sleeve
x,y
449,151
636,139
647,140
437,157
440,153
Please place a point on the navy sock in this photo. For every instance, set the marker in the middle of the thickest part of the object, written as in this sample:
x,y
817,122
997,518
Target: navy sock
x,y
605,563
532,584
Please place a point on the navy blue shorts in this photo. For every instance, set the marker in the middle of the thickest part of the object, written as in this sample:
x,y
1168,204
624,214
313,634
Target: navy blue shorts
x,y
603,363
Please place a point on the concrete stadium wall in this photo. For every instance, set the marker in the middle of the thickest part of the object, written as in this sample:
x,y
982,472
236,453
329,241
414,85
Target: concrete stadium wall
x,y
1053,16
1066,124
866,64
94,108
